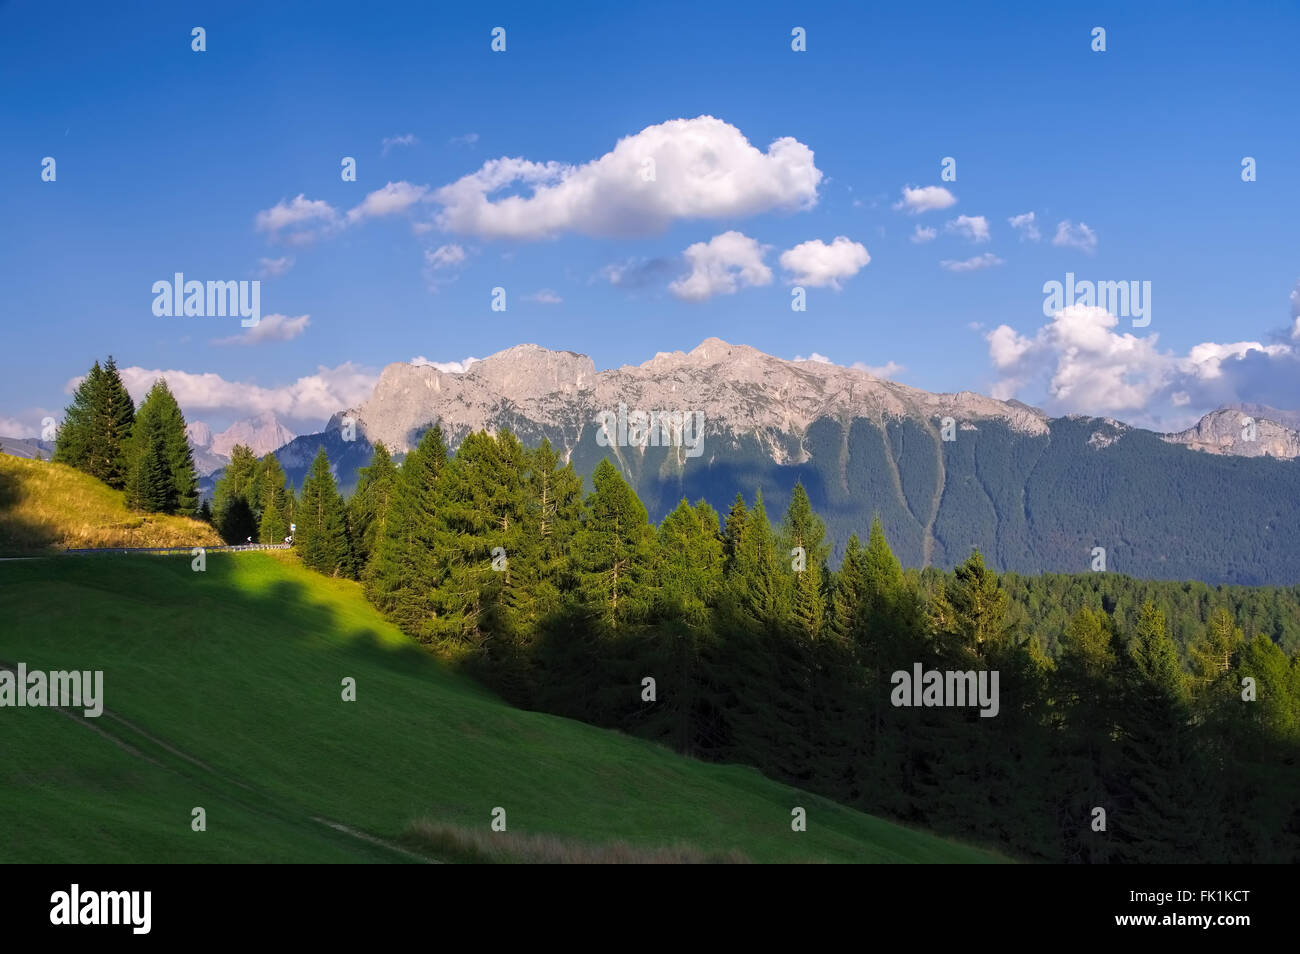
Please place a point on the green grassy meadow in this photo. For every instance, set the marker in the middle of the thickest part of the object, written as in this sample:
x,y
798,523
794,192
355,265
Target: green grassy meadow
x,y
222,689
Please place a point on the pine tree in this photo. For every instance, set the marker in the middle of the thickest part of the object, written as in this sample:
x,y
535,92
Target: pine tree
x,y
152,484
553,497
321,536
267,494
160,422
114,418
611,550
803,539
483,521
1161,811
74,443
368,507
405,573
973,614
235,484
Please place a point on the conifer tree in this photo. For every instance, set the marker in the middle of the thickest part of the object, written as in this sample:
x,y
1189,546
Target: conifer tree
x,y
483,524
321,536
236,523
268,491
74,443
803,539
405,572
159,431
553,496
114,415
611,550
368,507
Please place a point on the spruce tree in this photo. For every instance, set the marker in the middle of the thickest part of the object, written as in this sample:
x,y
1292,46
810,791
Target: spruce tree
x,y
114,417
321,535
611,551
553,496
74,442
160,422
803,540
368,507
405,571
235,484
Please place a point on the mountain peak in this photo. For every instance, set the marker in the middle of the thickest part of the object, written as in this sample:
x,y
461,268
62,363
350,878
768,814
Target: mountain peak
x,y
736,387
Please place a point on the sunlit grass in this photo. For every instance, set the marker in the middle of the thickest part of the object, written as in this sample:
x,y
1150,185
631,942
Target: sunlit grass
x,y
46,507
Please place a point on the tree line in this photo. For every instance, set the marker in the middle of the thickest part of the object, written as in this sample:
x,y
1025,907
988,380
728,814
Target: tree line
x,y
730,638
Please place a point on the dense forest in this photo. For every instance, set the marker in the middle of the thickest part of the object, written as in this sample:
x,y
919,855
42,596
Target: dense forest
x,y
1030,503
1138,721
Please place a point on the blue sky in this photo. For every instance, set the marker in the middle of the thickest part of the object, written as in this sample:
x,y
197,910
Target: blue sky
x,y
166,156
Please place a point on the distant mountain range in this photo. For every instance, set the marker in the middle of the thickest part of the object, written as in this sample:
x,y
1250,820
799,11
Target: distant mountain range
x,y
945,472
262,434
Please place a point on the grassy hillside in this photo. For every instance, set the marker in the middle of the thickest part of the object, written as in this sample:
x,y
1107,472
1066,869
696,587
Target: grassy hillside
x,y
46,507
222,690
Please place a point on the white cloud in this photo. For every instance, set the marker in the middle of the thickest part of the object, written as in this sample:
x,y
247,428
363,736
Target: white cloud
x,y
274,267
722,265
987,260
973,227
916,200
1086,366
448,367
819,265
544,296
298,221
1075,236
311,398
12,427
703,168
269,328
406,140
923,233
1026,225
466,140
445,256
392,199
887,370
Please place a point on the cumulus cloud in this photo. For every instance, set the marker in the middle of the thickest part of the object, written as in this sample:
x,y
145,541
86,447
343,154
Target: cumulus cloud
x,y
1026,225
270,328
920,199
298,221
1078,236
682,169
405,140
722,265
544,296
923,233
819,265
973,227
447,367
1086,366
274,267
313,398
393,198
987,260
